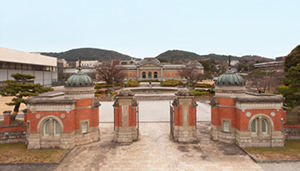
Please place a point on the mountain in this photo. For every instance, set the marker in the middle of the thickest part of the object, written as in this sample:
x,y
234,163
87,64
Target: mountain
x,y
88,54
177,56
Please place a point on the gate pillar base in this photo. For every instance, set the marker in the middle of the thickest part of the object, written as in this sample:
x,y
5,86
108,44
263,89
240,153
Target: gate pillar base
x,y
125,117
183,117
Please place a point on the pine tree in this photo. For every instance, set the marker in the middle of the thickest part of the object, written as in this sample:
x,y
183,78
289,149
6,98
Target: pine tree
x,y
21,87
291,88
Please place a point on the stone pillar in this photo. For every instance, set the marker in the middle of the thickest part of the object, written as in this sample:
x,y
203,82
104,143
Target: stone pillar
x,y
184,125
125,114
7,117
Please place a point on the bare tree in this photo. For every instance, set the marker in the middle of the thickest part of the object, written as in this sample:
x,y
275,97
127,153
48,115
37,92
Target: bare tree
x,y
109,70
262,79
191,72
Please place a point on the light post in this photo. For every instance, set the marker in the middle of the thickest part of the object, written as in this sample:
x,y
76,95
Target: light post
x,y
125,81
113,84
184,82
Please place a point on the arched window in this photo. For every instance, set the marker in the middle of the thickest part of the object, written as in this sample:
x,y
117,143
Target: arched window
x,y
264,126
259,123
254,126
155,74
56,128
144,74
149,74
47,127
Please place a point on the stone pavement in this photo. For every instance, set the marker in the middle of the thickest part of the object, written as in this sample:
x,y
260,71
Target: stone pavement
x,y
156,151
288,166
154,111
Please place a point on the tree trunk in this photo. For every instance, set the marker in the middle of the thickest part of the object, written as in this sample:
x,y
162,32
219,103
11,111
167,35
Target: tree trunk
x,y
15,112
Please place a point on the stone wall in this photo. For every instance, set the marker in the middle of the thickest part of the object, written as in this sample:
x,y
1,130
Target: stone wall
x,y
12,134
292,131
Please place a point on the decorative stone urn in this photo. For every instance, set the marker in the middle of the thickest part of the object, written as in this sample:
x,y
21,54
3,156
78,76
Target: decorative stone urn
x,y
183,117
125,117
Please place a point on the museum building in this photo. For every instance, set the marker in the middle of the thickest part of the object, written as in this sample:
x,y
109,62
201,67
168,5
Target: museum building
x,y
244,118
153,69
44,68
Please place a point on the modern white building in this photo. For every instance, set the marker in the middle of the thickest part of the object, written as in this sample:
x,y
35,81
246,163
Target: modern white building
x,y
44,68
88,64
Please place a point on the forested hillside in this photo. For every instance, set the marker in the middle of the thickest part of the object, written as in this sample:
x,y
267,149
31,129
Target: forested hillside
x,y
172,56
178,56
88,54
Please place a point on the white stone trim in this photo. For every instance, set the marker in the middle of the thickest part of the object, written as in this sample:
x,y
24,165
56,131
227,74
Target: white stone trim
x,y
49,117
231,95
56,107
262,115
81,96
261,105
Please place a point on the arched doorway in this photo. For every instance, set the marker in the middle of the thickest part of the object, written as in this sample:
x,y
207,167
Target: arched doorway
x,y
144,74
155,74
149,74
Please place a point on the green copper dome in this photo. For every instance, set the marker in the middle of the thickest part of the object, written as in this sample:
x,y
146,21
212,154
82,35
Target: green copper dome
x,y
79,80
230,79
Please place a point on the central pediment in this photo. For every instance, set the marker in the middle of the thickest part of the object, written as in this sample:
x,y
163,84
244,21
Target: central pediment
x,y
150,62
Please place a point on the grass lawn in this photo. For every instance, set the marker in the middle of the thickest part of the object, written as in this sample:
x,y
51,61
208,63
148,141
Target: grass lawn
x,y
18,153
290,151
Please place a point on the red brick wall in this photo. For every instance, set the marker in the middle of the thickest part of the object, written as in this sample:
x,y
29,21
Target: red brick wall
x,y
71,120
84,102
13,128
226,113
226,101
68,121
291,126
192,116
244,120
132,116
6,120
90,114
215,116
117,117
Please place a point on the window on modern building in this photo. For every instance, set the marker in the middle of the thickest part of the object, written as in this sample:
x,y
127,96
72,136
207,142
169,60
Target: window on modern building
x,y
254,126
144,74
56,128
12,66
226,126
29,67
155,74
149,75
4,65
47,128
24,66
18,66
84,126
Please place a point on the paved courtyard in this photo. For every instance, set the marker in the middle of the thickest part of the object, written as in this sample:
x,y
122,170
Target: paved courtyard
x,y
156,151
154,111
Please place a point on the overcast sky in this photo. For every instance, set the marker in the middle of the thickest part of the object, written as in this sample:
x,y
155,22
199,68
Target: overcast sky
x,y
146,28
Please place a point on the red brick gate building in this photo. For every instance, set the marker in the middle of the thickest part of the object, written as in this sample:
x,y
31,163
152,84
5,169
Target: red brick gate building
x,y
247,119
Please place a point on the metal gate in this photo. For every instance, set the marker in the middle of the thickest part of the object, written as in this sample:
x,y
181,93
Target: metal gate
x,y
171,120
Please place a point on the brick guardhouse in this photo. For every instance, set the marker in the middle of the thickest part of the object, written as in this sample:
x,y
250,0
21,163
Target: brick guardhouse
x,y
66,119
244,118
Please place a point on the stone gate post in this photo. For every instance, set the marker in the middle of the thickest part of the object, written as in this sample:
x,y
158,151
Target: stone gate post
x,y
125,117
184,125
